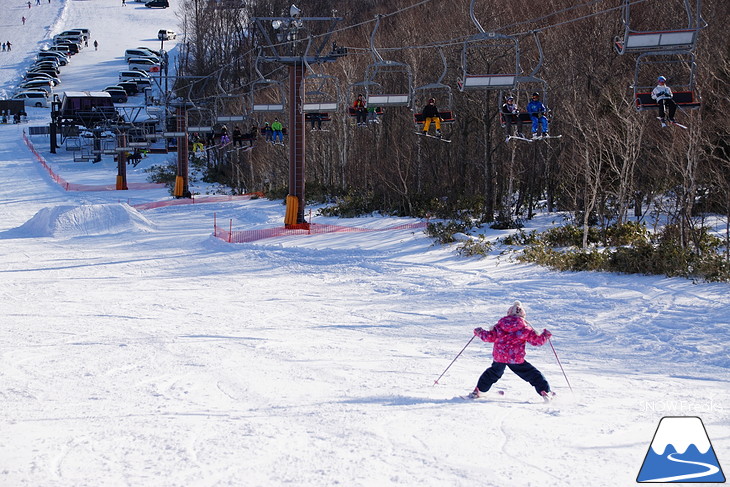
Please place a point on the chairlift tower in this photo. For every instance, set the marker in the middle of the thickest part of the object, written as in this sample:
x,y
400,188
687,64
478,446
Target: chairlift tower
x,y
293,41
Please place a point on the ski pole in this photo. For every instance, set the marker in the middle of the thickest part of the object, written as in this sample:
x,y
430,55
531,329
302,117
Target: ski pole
x,y
452,362
561,365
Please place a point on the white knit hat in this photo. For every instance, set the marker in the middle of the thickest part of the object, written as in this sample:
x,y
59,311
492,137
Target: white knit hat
x,y
516,310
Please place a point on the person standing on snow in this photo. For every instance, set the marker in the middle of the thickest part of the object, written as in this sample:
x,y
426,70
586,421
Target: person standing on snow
x,y
509,336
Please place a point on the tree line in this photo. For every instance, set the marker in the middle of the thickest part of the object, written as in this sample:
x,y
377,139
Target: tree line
x,y
613,163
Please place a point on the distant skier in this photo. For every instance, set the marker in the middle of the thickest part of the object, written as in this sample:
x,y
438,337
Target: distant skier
x,y
537,112
509,336
22,19
9,45
96,45
663,95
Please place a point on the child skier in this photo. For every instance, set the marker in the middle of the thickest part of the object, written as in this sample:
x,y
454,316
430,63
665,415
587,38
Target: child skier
x,y
509,336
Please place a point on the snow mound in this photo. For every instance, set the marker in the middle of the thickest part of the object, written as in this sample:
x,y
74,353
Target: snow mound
x,y
84,220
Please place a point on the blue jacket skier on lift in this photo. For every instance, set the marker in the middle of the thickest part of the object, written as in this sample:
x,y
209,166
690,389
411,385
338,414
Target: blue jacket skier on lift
x,y
537,112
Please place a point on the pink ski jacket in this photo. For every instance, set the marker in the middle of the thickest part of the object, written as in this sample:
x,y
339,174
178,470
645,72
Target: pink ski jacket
x,y
509,336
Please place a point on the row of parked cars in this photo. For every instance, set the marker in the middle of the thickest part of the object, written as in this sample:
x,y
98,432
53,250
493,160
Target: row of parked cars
x,y
44,74
142,62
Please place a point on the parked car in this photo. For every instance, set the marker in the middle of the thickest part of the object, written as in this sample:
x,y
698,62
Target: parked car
x,y
144,64
37,84
166,35
142,83
129,86
75,32
157,4
118,94
78,39
150,52
130,53
132,74
72,47
35,75
33,98
48,63
45,69
60,57
65,50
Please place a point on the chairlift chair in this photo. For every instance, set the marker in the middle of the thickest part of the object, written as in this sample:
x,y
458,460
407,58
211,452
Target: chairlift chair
x,y
488,77
478,54
387,83
268,95
324,95
675,38
440,92
230,108
200,120
678,67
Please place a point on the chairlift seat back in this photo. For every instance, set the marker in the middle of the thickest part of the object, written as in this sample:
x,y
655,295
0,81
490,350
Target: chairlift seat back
x,y
446,117
685,99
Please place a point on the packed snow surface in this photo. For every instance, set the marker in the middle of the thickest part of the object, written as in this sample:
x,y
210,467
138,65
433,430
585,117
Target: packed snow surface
x,y
136,349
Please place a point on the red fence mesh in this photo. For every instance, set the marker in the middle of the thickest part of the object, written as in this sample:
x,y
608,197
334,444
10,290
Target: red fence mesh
x,y
243,236
83,187
197,199
240,236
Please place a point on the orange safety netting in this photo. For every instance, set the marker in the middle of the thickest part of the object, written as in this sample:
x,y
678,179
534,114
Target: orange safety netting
x,y
83,187
196,199
243,236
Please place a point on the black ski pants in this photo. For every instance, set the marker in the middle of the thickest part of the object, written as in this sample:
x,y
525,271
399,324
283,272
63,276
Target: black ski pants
x,y
665,106
526,371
